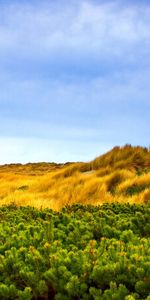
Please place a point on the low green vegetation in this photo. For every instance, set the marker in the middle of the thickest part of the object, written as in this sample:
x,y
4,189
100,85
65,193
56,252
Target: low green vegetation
x,y
81,252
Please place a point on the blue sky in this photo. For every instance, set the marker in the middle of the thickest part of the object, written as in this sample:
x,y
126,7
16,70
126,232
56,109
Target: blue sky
x,y
74,78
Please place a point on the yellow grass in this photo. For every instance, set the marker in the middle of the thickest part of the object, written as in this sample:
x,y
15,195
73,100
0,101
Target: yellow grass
x,y
121,175
142,181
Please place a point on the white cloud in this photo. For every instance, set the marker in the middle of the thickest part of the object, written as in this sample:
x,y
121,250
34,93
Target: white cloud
x,y
73,77
84,28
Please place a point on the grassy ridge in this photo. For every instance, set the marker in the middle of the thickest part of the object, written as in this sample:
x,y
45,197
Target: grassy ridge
x,y
122,175
81,252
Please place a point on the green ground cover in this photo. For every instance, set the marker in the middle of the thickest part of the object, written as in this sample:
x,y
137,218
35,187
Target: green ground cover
x,y
82,252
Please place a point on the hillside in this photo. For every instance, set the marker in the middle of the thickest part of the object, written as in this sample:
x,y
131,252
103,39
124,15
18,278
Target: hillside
x,y
122,174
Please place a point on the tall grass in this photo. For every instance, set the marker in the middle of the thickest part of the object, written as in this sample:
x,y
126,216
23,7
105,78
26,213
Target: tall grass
x,y
122,174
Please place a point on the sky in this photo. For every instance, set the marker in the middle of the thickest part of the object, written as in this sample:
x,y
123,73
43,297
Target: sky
x,y
74,78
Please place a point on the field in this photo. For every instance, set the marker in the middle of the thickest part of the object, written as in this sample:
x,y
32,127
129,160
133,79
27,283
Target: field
x,y
121,175
76,230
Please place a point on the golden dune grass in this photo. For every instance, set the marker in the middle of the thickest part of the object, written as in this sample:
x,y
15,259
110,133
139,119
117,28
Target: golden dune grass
x,y
87,183
137,182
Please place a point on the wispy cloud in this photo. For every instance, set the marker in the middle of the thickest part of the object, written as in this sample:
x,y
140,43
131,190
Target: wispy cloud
x,y
82,29
76,70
